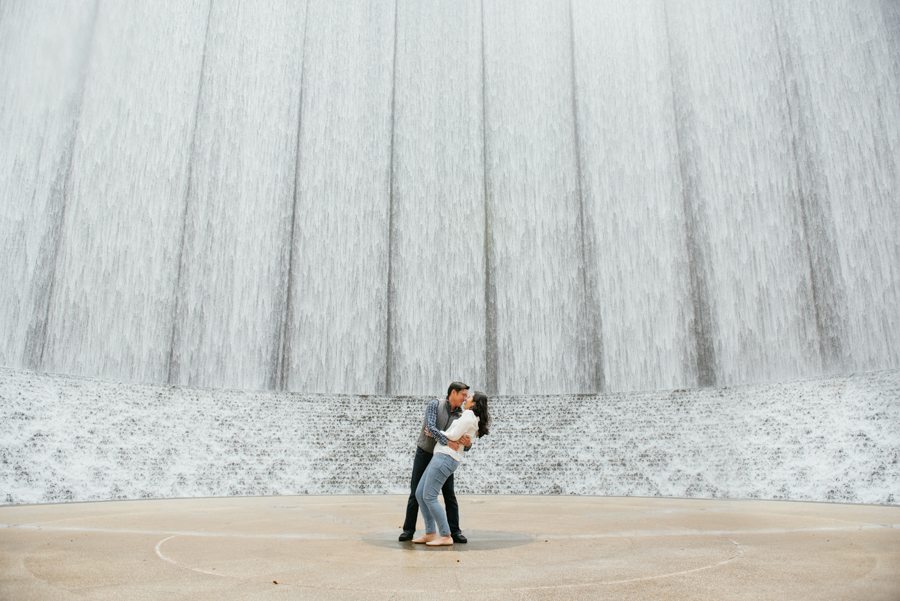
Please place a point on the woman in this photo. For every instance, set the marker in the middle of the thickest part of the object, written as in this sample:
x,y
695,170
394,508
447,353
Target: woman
x,y
475,420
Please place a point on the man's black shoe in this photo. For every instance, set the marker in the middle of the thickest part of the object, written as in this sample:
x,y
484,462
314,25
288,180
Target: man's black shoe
x,y
406,536
459,538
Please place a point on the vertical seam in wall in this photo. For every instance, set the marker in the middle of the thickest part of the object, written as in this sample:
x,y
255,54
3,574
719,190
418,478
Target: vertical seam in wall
x,y
490,307
804,200
187,201
592,334
388,375
703,344
284,363
890,29
67,183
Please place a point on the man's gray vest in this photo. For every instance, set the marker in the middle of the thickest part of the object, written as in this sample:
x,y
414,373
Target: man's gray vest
x,y
445,417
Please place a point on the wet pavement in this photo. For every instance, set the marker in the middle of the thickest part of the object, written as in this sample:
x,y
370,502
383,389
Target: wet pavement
x,y
520,547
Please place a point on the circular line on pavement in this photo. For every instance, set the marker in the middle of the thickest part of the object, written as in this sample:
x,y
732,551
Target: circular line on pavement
x,y
181,565
738,553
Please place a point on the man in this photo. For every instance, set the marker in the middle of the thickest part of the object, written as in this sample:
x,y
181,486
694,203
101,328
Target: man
x,y
438,416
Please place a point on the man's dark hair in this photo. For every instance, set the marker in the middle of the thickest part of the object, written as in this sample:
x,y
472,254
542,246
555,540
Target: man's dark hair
x,y
455,386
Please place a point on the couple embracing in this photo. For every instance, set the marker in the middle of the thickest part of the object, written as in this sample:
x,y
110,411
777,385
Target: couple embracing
x,y
447,432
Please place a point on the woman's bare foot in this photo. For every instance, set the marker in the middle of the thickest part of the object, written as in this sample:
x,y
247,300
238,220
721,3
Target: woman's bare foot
x,y
429,536
444,540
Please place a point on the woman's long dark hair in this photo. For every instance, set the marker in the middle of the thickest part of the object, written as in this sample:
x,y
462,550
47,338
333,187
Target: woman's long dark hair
x,y
480,409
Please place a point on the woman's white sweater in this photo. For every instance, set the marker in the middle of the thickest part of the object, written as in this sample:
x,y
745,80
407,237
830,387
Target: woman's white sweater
x,y
466,424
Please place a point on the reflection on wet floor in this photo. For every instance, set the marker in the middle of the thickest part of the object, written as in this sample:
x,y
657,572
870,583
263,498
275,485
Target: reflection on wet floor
x,y
479,540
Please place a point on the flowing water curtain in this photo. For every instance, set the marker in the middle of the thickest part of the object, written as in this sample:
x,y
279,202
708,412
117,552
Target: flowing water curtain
x,y
740,177
843,76
437,260
234,259
43,52
637,257
336,330
112,300
542,324
667,195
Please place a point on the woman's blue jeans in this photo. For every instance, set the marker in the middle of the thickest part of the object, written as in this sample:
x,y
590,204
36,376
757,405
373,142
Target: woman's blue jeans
x,y
439,469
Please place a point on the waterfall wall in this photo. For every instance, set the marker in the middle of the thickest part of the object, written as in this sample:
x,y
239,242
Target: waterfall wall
x,y
70,438
380,197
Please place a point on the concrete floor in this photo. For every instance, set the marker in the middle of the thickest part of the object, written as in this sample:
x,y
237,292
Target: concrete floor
x,y
520,547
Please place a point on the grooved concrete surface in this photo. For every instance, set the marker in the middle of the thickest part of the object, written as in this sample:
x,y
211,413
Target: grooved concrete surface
x,y
520,547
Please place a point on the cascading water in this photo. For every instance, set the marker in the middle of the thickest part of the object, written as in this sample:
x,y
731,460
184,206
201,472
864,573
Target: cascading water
x,y
379,197
236,245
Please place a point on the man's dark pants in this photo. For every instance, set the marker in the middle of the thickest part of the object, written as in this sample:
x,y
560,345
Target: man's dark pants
x,y
421,461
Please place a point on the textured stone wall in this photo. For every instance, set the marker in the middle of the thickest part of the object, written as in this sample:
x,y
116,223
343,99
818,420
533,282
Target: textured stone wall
x,y
79,439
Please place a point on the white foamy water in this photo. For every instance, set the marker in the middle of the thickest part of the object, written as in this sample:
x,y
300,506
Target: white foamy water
x,y
818,439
